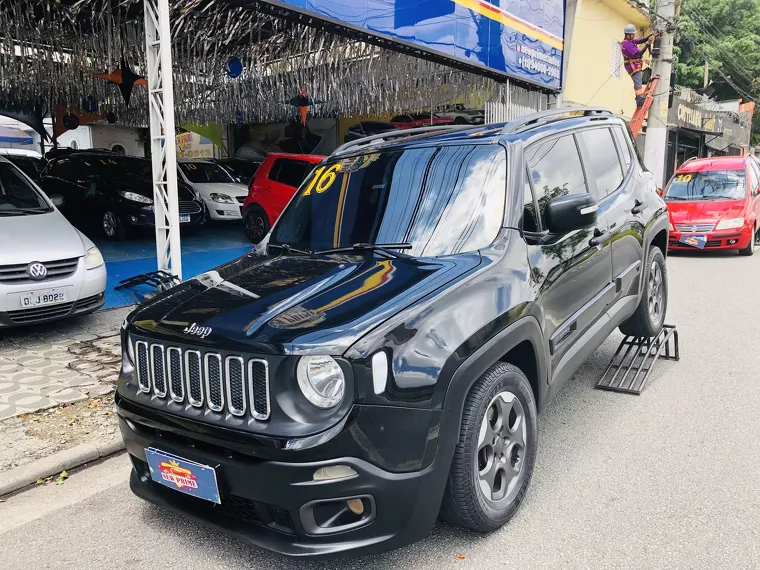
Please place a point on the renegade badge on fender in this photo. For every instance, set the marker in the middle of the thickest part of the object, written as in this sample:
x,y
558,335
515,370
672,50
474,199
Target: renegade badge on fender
x,y
381,356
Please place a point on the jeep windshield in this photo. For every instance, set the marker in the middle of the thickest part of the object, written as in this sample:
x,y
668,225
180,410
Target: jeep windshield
x,y
436,201
708,185
17,196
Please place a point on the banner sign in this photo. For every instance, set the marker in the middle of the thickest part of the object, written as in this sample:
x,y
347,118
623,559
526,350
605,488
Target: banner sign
x,y
522,39
690,116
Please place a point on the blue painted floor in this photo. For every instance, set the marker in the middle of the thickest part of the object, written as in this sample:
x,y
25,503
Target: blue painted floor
x,y
214,245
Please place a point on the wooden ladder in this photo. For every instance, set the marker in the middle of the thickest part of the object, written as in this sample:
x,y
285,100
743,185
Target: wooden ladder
x,y
641,112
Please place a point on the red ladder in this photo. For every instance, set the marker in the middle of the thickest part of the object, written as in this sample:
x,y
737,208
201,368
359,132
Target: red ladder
x,y
641,112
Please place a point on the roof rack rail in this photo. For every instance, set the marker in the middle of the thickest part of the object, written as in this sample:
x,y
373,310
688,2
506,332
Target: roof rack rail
x,y
543,117
402,133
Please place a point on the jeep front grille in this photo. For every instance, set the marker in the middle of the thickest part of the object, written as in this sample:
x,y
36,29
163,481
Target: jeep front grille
x,y
204,380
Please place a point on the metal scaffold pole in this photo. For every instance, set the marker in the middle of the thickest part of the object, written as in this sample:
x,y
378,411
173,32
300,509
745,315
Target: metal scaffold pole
x,y
162,135
656,145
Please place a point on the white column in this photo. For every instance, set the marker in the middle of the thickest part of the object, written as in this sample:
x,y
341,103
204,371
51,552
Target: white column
x,y
162,133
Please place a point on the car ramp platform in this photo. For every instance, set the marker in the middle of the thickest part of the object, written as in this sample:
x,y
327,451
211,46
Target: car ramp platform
x,y
635,358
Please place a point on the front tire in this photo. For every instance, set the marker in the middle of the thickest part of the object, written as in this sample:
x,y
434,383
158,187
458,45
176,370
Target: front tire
x,y
112,226
494,458
649,317
750,249
256,224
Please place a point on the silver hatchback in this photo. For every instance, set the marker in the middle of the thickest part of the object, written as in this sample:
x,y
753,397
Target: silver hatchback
x,y
48,269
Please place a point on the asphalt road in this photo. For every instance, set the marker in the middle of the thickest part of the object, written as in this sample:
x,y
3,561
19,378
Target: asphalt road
x,y
669,479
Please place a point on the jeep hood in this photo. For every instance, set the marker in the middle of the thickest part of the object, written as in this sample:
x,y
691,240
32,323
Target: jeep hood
x,y
293,304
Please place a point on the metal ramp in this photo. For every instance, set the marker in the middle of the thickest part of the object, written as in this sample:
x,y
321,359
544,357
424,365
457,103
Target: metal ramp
x,y
635,358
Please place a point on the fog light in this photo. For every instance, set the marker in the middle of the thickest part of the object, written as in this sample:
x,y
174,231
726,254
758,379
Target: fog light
x,y
332,472
133,218
356,506
731,242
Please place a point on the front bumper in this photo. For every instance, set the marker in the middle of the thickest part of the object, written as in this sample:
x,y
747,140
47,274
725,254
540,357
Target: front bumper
x,y
146,217
219,211
273,504
728,239
84,292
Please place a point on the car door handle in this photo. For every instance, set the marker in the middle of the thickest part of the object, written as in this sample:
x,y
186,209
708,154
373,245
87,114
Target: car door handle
x,y
599,238
638,207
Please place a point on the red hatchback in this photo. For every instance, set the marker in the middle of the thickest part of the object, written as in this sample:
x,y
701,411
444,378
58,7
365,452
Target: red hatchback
x,y
274,184
713,204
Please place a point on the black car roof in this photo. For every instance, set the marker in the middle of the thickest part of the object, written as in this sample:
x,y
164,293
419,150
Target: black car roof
x,y
535,125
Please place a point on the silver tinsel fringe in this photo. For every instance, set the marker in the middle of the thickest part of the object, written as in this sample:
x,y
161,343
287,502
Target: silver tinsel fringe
x,y
49,53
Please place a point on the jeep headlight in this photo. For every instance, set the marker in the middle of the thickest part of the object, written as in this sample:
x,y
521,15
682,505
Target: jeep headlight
x,y
730,224
321,380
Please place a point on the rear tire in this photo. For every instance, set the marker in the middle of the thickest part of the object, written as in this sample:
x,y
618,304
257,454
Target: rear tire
x,y
649,317
112,226
256,224
750,249
494,458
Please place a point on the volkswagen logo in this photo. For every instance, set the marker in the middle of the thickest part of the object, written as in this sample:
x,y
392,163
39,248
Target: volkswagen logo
x,y
36,271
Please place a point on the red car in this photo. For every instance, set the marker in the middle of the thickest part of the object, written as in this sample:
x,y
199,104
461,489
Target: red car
x,y
713,204
419,120
274,184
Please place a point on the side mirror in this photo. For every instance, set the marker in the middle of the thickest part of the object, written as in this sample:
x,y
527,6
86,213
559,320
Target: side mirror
x,y
573,212
57,200
660,193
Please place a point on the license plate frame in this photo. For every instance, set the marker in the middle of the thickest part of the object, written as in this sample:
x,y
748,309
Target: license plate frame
x,y
183,475
184,218
694,240
57,295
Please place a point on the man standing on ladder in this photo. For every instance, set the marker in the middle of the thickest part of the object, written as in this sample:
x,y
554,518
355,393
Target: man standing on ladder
x,y
632,57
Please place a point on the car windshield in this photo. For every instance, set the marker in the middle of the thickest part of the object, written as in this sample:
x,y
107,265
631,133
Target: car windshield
x,y
17,196
708,185
107,166
201,172
28,164
439,201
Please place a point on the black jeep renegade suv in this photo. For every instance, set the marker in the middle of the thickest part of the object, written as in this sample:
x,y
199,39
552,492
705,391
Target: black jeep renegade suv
x,y
381,357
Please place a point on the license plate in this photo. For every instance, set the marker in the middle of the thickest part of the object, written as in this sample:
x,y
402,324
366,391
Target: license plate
x,y
183,475
43,297
183,218
695,240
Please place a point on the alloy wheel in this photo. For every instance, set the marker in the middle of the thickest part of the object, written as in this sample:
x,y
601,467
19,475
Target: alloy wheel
x,y
501,448
256,228
109,224
655,292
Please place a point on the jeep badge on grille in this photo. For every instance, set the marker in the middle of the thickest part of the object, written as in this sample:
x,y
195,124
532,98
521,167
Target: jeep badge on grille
x,y
194,329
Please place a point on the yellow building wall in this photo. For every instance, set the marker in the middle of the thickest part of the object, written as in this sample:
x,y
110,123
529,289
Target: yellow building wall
x,y
590,81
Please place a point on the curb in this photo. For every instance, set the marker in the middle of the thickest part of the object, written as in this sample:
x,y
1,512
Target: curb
x,y
26,475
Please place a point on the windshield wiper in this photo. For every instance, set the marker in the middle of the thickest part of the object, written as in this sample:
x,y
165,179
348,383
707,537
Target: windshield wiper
x,y
386,248
13,212
289,249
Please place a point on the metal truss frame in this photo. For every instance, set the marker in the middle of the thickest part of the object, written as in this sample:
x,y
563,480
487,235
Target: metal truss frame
x,y
162,135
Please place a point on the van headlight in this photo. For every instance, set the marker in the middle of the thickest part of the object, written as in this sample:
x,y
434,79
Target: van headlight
x,y
730,224
93,259
321,380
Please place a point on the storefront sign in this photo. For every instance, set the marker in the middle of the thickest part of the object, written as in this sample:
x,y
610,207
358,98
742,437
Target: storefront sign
x,y
690,116
518,38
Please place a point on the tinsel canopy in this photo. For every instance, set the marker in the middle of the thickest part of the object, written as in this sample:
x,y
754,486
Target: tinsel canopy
x,y
51,52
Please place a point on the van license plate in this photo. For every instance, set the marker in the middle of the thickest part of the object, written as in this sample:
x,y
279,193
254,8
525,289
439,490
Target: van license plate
x,y
184,218
695,240
43,297
183,475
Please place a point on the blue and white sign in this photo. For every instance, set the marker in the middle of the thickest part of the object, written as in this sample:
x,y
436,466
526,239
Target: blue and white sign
x,y
519,38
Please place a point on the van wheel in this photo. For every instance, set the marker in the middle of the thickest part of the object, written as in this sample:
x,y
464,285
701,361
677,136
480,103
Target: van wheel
x,y
256,224
112,226
750,249
649,317
494,459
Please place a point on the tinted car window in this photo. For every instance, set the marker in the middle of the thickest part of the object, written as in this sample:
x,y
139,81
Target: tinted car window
x,y
602,162
440,200
708,185
401,119
555,170
288,171
17,196
530,219
625,150
29,165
